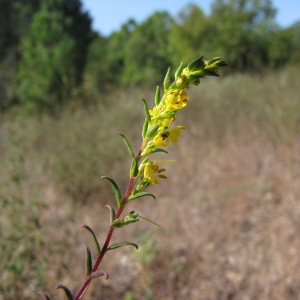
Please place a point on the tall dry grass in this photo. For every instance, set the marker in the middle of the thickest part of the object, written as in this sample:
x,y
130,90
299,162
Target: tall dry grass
x,y
230,222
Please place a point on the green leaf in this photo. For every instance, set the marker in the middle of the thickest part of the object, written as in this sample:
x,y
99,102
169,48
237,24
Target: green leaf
x,y
116,190
209,72
127,144
88,261
167,80
194,79
159,150
152,131
196,64
122,244
130,218
213,60
139,195
93,236
145,128
147,114
66,290
112,214
134,169
223,63
157,96
44,295
179,71
117,223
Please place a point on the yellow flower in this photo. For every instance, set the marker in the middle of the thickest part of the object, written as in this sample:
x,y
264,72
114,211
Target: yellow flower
x,y
159,114
166,123
163,139
155,111
166,110
176,100
152,173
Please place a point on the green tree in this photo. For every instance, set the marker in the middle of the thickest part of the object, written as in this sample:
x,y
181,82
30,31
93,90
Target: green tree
x,y
239,29
16,19
281,49
189,34
99,72
106,58
242,29
285,46
132,55
54,54
47,68
295,28
147,51
77,25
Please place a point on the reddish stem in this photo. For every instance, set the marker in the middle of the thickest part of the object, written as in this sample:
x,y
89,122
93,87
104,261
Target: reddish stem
x,y
87,281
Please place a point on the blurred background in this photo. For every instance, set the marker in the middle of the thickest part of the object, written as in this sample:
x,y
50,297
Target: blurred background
x,y
71,79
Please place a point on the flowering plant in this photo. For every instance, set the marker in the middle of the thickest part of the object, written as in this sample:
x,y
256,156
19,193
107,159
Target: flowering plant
x,y
157,133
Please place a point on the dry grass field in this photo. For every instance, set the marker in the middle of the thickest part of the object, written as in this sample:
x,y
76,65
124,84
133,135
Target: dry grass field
x,y
229,211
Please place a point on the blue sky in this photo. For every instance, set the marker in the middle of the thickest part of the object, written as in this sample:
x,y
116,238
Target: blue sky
x,y
108,15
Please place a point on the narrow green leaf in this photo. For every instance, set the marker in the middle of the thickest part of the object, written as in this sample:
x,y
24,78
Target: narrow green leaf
x,y
122,244
157,96
147,114
159,150
88,261
213,60
196,64
152,131
112,214
116,190
209,72
93,236
195,79
66,290
44,295
167,80
145,128
139,195
223,63
127,144
179,71
100,273
117,223
134,169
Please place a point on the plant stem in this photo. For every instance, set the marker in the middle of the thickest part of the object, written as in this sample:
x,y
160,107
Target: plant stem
x,y
88,280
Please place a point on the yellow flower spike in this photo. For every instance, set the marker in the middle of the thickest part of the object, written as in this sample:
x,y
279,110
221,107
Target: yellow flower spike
x,y
163,139
142,165
152,172
175,134
166,123
176,100
155,111
163,114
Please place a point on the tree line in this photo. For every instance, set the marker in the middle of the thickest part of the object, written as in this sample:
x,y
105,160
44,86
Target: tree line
x,y
48,49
